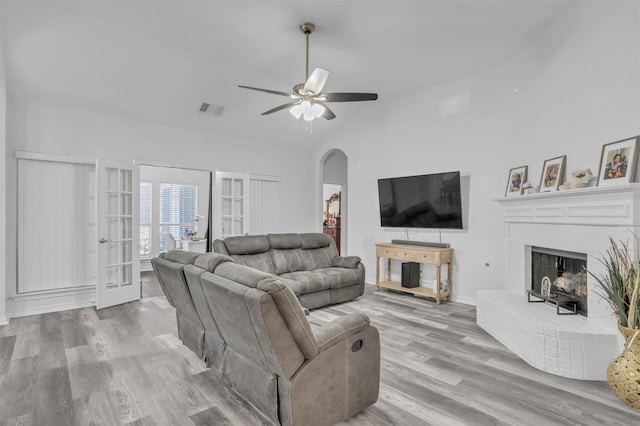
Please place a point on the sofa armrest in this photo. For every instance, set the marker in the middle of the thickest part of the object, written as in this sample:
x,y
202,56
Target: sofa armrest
x,y
350,262
340,329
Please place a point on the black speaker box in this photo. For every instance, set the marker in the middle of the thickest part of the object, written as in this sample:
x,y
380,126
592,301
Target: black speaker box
x,y
410,274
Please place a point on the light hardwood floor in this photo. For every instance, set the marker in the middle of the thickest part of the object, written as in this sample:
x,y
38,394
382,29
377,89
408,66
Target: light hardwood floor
x,y
125,365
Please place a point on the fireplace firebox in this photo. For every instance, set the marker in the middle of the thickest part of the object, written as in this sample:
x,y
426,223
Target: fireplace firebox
x,y
560,275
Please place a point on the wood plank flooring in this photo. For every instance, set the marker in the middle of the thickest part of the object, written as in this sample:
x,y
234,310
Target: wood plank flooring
x,y
125,366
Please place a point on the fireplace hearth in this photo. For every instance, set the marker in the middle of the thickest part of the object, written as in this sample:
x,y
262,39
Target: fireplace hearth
x,y
560,277
579,221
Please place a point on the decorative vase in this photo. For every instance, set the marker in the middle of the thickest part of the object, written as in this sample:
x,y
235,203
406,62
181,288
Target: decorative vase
x,y
623,374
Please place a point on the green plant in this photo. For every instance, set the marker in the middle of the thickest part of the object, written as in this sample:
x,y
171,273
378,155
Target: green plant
x,y
621,282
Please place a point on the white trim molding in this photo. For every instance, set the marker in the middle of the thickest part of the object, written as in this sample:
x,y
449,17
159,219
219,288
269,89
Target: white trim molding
x,y
46,301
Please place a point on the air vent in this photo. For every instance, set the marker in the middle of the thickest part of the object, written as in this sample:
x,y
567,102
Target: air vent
x,y
212,109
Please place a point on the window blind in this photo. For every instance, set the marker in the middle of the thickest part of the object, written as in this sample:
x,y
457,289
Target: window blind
x,y
178,207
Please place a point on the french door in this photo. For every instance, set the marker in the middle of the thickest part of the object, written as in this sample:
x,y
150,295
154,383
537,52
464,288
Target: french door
x,y
231,205
117,220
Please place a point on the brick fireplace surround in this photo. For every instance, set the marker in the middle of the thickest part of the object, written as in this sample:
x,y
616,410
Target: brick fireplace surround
x,y
579,221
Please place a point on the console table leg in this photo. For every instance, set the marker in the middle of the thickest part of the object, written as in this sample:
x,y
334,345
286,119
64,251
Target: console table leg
x,y
449,282
438,280
377,272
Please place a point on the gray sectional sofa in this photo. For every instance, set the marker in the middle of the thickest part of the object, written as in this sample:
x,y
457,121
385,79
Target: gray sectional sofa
x,y
309,264
253,332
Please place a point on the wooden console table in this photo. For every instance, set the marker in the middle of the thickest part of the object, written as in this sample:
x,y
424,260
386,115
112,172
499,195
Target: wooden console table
x,y
420,254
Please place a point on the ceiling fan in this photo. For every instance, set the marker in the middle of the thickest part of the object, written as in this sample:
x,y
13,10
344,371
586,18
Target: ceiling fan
x,y
308,101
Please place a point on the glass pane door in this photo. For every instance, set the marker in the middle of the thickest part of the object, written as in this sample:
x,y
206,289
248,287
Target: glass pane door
x,y
232,204
118,222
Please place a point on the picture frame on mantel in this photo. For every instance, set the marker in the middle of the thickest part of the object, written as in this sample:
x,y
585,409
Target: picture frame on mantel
x,y
552,174
517,177
618,162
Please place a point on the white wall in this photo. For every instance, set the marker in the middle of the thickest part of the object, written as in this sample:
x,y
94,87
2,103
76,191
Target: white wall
x,y
42,127
578,88
3,191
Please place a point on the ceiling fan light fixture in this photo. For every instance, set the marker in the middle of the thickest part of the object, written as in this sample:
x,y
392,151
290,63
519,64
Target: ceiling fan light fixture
x,y
296,111
309,111
318,110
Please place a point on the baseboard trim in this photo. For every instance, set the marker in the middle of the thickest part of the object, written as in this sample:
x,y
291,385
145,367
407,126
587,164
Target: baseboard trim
x,y
50,308
50,301
465,301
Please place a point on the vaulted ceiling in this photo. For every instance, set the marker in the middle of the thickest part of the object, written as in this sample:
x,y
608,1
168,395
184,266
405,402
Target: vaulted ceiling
x,y
159,61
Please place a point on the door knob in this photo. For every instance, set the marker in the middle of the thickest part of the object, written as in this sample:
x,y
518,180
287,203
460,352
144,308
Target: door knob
x,y
102,241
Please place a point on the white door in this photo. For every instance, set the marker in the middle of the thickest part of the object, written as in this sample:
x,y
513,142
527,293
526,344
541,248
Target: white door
x,y
231,205
117,219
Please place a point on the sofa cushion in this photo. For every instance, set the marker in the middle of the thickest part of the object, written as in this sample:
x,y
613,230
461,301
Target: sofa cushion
x,y
251,325
313,240
311,281
260,261
209,261
293,315
247,244
317,258
350,262
288,260
242,274
284,241
324,279
180,256
294,285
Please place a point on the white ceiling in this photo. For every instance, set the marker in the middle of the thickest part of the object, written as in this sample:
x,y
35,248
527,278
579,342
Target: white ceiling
x,y
159,60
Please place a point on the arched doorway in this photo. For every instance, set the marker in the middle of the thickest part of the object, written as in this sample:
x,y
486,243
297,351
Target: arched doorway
x,y
334,196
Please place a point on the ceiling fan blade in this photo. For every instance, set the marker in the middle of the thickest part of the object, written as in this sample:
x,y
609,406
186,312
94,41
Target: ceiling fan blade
x,y
316,81
281,107
327,114
349,97
274,92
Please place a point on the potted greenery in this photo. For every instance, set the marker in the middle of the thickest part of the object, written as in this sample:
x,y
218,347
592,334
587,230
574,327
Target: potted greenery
x,y
620,282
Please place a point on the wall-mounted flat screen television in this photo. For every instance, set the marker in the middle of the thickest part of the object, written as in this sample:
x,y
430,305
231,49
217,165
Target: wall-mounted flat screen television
x,y
424,201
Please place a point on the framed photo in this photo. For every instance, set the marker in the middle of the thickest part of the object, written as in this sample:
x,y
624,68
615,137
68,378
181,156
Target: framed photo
x,y
618,162
517,177
552,174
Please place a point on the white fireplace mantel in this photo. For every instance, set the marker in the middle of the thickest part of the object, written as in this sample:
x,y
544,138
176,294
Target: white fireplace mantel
x,y
581,221
613,206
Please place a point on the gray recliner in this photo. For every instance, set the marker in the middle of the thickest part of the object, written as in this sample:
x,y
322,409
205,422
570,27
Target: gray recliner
x,y
169,269
255,335
214,344
294,373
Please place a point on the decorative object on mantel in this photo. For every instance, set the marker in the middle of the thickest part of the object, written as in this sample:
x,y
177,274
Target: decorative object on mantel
x,y
552,174
581,179
621,283
546,287
527,188
618,162
516,177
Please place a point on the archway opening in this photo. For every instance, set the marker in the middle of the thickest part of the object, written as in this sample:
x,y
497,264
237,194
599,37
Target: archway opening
x,y
334,197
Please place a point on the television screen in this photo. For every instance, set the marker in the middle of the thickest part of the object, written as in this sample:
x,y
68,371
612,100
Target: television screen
x,y
424,201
